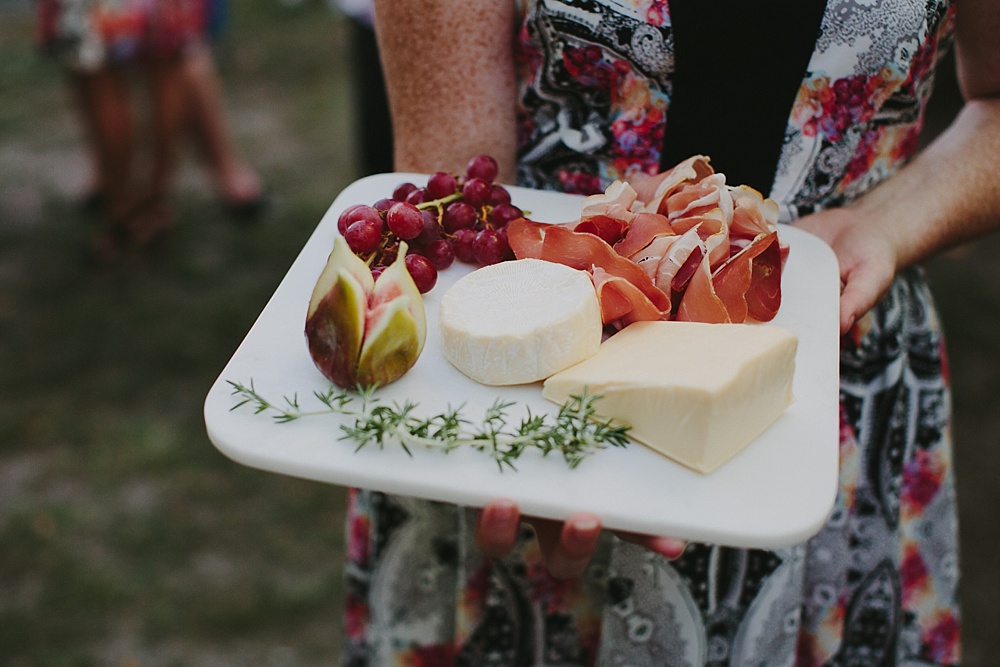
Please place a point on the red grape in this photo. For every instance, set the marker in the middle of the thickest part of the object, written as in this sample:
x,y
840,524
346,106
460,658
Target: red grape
x,y
499,195
482,166
440,253
431,231
364,236
383,205
440,185
476,192
405,220
509,254
388,256
489,247
402,191
354,214
462,242
422,271
471,227
458,215
503,214
342,220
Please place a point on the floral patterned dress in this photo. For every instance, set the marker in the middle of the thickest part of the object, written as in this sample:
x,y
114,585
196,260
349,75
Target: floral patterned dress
x,y
878,584
90,34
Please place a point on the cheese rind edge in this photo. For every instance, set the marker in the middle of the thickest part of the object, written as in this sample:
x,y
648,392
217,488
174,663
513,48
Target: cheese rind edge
x,y
520,321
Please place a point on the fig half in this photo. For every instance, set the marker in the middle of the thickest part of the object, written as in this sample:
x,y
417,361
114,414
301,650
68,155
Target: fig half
x,y
363,332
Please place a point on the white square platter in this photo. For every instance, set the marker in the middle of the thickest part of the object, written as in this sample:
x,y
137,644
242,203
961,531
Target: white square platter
x,y
777,492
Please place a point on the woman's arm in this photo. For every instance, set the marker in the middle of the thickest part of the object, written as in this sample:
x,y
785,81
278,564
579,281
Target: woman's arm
x,y
449,74
949,194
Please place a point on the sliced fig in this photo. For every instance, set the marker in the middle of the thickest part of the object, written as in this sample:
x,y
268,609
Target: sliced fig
x,y
335,329
391,345
361,331
341,259
395,282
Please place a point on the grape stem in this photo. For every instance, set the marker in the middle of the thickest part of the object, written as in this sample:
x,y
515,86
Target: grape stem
x,y
438,203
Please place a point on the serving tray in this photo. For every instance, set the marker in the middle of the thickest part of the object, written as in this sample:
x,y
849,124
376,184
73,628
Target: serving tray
x,y
777,492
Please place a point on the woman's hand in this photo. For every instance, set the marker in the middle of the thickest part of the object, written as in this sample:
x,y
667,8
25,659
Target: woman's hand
x,y
566,546
868,260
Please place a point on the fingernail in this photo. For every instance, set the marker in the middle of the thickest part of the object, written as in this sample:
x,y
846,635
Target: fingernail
x,y
670,548
502,508
583,533
496,528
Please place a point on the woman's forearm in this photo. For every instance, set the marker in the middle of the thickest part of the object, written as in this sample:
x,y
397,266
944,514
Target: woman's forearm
x,y
449,75
949,194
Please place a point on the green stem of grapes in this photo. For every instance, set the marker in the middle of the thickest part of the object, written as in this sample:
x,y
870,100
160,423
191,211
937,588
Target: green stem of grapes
x,y
438,203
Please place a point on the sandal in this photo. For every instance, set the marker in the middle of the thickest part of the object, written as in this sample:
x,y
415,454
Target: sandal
x,y
144,224
242,193
109,244
92,203
249,209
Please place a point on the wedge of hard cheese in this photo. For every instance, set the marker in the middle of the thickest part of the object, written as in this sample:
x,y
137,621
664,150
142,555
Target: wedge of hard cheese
x,y
698,393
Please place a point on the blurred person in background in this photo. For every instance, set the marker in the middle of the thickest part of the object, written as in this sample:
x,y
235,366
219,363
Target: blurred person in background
x,y
101,43
237,183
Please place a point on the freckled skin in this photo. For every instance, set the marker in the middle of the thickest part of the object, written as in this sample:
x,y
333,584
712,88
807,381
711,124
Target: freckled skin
x,y
450,79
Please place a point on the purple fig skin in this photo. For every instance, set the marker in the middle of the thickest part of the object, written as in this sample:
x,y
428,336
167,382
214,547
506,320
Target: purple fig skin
x,y
361,332
334,333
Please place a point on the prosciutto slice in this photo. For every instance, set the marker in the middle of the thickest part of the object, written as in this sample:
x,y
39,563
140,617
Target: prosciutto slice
x,y
622,303
610,230
586,252
643,229
700,302
752,214
668,263
746,287
616,201
653,190
679,245
608,215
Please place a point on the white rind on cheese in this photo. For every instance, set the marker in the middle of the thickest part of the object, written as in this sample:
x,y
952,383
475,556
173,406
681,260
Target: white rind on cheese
x,y
520,321
698,393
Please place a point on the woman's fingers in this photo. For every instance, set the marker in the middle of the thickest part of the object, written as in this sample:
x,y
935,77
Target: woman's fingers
x,y
567,546
670,548
867,259
497,527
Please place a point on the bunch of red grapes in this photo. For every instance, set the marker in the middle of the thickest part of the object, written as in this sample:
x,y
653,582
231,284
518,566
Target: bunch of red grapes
x,y
452,217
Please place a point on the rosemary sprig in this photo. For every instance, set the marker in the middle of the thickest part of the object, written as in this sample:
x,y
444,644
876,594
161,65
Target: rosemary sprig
x,y
574,432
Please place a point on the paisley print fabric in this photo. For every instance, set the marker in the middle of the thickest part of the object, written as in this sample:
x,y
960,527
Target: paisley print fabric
x,y
88,34
878,584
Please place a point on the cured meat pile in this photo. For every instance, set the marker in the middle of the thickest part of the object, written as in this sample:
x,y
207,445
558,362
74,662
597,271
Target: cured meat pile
x,y
681,245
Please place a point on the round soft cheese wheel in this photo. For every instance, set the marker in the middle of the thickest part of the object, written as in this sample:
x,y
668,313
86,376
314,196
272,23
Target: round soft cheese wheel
x,y
520,321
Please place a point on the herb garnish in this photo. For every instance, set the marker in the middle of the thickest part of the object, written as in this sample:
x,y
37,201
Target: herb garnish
x,y
573,432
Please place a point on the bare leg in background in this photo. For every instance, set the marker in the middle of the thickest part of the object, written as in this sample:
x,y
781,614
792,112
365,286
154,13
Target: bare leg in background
x,y
236,181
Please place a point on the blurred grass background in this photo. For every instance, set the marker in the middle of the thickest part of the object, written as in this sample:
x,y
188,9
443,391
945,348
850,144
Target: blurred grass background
x,y
126,539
